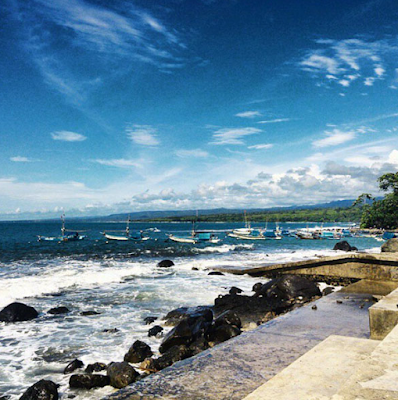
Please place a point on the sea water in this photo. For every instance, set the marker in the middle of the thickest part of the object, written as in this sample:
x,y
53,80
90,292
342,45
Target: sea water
x,y
122,283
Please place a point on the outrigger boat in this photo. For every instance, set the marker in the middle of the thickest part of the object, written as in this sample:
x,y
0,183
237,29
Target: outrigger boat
x,y
135,236
196,237
249,233
65,237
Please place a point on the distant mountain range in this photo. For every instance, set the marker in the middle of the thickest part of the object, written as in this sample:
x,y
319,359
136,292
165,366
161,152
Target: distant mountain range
x,y
142,215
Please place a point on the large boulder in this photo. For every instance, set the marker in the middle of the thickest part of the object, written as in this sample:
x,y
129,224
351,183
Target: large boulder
x,y
138,352
155,331
121,374
88,381
73,365
344,246
58,310
178,314
391,246
228,318
165,264
188,330
42,390
95,367
293,286
16,312
222,333
174,354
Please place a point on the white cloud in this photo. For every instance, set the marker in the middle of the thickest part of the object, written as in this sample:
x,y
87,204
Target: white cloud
x,y
233,135
393,157
261,146
334,138
67,136
120,163
196,153
249,114
320,62
144,135
21,159
369,81
346,60
274,121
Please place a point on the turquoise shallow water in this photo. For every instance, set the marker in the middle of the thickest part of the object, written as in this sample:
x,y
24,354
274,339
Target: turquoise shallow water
x,y
121,282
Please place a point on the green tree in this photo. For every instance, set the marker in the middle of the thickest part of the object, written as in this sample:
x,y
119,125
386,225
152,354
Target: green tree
x,y
381,214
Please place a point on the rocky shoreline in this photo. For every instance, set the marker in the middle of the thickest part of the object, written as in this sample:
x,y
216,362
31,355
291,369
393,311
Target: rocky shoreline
x,y
195,329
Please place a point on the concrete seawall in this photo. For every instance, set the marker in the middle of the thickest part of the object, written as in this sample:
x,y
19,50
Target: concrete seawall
x,y
378,267
276,359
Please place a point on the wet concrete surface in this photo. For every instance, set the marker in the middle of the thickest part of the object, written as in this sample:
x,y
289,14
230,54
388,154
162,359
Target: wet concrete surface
x,y
237,367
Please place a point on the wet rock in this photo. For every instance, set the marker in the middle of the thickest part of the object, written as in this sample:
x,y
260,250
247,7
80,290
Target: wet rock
x,y
235,290
290,287
314,307
155,331
150,320
228,318
222,333
73,365
5,397
16,312
96,367
177,315
42,390
344,246
88,381
138,352
193,326
181,334
256,287
327,290
121,374
111,330
391,246
195,269
198,346
165,264
215,273
88,313
58,310
174,354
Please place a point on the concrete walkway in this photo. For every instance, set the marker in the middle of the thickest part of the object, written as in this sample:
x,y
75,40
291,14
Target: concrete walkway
x,y
237,367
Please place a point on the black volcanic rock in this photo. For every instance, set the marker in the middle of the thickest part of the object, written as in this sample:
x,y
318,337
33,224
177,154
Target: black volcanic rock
x,y
138,352
16,312
42,390
344,246
88,381
165,264
58,310
73,365
121,374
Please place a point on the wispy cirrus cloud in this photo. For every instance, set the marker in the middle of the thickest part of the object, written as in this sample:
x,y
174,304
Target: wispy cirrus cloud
x,y
233,135
261,146
345,61
120,163
67,136
144,135
21,159
109,32
248,114
334,138
196,153
274,121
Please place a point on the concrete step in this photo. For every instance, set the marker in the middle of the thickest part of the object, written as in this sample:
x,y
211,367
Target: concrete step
x,y
376,378
319,373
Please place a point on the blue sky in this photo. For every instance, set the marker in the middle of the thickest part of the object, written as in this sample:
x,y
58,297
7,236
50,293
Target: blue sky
x,y
189,104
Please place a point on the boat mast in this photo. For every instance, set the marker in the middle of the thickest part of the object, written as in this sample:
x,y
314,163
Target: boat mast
x,y
63,224
127,226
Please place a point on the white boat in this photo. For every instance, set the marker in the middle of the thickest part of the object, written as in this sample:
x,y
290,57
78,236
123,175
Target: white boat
x,y
179,239
73,236
128,236
196,237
